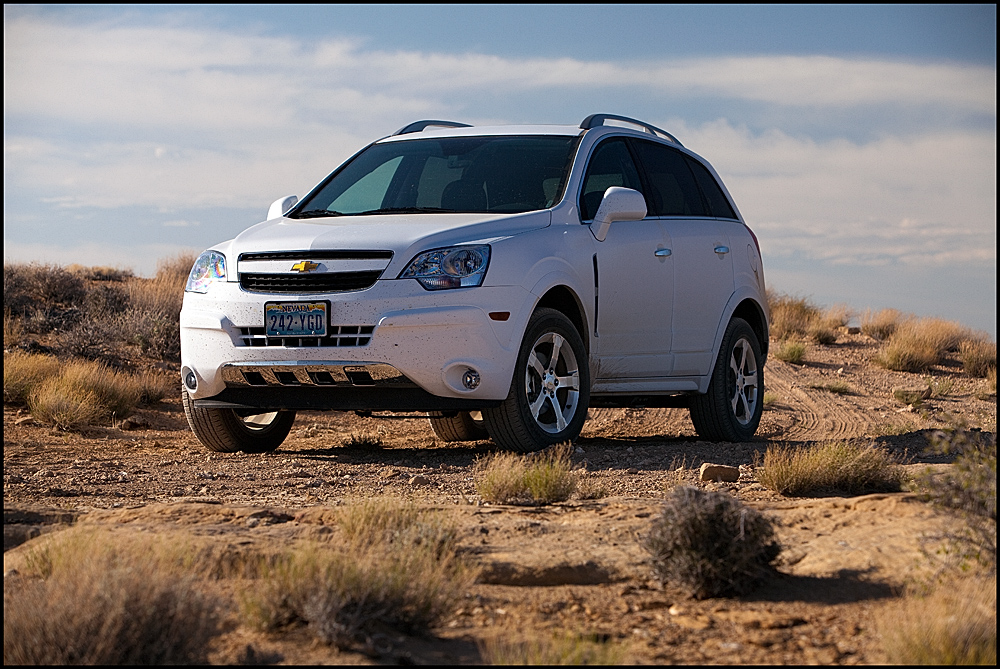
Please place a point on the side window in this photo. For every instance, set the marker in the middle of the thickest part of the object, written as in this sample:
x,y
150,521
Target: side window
x,y
673,190
716,199
610,165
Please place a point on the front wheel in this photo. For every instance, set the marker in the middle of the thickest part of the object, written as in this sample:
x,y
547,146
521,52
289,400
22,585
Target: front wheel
x,y
731,409
550,391
231,430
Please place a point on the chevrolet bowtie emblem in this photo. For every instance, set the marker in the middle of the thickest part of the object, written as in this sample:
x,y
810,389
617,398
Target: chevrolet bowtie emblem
x,y
304,266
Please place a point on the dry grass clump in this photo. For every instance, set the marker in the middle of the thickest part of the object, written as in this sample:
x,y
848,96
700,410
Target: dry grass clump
x,y
978,357
918,344
538,478
835,387
559,649
709,544
403,577
92,600
791,351
881,324
847,467
956,624
101,273
79,393
968,488
790,315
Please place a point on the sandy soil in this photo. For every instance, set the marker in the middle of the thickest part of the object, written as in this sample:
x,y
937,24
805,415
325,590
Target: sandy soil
x,y
576,566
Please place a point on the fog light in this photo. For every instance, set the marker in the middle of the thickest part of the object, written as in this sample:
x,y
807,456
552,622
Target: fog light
x,y
190,380
470,379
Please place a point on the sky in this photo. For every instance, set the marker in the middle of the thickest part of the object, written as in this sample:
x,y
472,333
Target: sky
x,y
859,141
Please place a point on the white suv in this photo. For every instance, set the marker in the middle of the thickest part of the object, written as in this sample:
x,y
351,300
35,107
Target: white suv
x,y
501,279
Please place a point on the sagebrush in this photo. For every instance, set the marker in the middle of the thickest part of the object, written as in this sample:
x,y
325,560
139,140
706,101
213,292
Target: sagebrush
x,y
708,544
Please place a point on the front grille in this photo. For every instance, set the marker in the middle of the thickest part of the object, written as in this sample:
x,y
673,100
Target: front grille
x,y
317,255
339,335
333,282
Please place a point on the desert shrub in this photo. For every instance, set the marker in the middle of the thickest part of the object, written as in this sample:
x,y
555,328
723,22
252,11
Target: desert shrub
x,y
538,478
847,467
558,649
13,330
103,300
881,324
835,387
823,328
97,602
380,519
791,351
364,441
23,372
917,344
968,487
790,315
404,581
101,273
978,357
79,393
956,624
155,333
709,544
28,285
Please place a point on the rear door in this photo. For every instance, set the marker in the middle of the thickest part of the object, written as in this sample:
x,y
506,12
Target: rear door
x,y
700,251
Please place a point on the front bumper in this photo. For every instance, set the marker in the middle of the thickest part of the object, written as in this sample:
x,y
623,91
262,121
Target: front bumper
x,y
417,344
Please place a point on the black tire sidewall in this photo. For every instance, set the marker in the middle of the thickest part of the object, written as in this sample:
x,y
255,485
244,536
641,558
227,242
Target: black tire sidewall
x,y
721,390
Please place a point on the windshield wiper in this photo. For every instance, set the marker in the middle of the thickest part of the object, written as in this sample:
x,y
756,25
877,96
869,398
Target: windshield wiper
x,y
317,213
407,210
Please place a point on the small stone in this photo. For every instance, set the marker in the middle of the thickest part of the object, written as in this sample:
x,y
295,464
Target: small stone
x,y
27,420
911,394
710,472
419,480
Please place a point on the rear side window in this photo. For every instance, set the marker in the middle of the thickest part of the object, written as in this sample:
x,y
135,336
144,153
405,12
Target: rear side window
x,y
716,200
611,165
673,190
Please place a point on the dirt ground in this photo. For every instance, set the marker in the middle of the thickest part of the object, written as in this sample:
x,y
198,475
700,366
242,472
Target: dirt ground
x,y
577,566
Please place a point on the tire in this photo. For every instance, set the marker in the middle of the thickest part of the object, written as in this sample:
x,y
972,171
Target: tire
x,y
462,426
731,409
229,430
549,394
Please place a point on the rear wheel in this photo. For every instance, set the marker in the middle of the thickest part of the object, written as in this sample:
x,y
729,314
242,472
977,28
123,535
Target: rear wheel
x,y
231,430
458,426
547,402
731,409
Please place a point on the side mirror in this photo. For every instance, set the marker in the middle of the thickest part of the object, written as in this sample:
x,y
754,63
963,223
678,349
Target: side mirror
x,y
281,206
619,204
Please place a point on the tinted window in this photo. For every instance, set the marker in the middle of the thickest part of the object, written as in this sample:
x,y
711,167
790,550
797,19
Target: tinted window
x,y
673,190
610,165
717,203
454,174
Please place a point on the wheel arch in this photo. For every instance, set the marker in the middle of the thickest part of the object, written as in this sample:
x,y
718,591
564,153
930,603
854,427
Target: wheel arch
x,y
564,300
750,311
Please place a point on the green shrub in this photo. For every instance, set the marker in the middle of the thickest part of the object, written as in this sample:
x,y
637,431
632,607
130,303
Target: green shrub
x,y
846,467
709,544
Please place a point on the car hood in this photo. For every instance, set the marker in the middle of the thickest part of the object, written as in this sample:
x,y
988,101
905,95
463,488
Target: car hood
x,y
404,235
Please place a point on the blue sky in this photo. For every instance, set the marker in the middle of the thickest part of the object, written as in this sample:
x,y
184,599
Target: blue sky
x,y
859,141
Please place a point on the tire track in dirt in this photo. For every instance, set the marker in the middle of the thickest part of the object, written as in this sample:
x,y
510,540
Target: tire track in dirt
x,y
815,414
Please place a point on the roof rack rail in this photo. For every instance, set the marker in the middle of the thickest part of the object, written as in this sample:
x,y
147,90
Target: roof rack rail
x,y
597,120
418,126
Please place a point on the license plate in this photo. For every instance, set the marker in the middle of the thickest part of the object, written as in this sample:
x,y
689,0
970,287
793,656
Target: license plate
x,y
295,319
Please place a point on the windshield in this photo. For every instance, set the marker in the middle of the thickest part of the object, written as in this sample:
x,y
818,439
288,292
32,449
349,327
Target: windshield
x,y
505,174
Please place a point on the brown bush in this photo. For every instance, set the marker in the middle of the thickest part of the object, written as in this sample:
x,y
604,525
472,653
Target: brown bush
x,y
978,357
845,467
709,544
881,324
790,316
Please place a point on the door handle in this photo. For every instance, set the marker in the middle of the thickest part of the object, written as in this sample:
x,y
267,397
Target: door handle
x,y
722,250
661,253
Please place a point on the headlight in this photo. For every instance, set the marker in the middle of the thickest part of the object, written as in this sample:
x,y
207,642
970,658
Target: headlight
x,y
208,268
452,267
